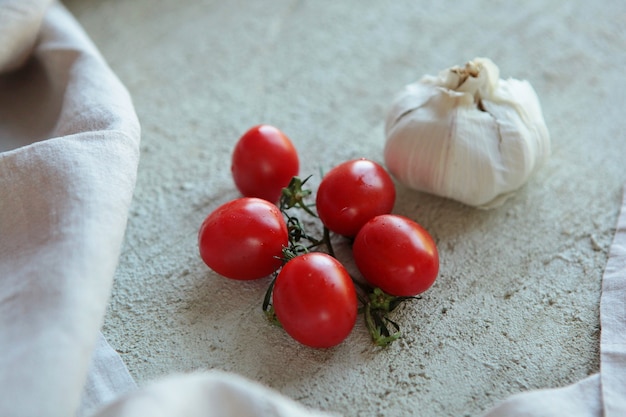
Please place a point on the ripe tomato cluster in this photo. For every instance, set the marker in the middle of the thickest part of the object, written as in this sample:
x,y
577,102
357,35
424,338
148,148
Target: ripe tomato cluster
x,y
311,295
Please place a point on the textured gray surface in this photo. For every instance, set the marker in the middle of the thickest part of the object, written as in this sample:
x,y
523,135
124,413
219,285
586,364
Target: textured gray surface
x,y
516,304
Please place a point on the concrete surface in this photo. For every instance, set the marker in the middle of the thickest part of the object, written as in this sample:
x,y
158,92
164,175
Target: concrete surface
x,y
516,304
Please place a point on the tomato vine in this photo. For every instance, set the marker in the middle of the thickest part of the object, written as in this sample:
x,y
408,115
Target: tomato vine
x,y
375,305
268,232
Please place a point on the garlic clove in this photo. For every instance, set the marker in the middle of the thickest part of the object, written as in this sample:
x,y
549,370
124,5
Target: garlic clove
x,y
466,134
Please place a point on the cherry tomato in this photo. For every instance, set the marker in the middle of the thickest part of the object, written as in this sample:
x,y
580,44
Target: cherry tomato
x,y
352,193
243,239
315,301
263,162
397,255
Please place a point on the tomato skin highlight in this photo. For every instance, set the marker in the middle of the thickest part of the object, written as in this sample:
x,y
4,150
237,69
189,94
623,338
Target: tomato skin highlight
x,y
352,193
263,162
315,300
243,239
397,255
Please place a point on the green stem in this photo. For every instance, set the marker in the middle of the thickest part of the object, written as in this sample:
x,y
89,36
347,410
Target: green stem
x,y
377,308
328,242
268,308
375,322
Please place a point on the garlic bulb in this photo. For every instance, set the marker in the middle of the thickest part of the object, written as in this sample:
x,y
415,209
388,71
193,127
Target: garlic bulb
x,y
466,134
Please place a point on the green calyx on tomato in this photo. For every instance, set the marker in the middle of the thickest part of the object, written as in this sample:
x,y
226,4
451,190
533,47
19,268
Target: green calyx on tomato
x,y
376,310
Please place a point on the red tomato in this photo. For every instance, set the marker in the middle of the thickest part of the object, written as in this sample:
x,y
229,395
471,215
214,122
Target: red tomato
x,y
263,162
315,301
397,255
243,239
352,193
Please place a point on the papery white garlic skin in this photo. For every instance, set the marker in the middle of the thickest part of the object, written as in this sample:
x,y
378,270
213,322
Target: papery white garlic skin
x,y
466,135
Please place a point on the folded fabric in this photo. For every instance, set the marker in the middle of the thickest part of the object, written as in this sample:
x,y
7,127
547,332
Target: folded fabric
x,y
64,199
207,394
19,28
108,379
613,324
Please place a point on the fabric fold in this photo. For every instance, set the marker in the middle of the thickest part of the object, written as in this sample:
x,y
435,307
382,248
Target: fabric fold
x,y
108,379
613,324
64,201
19,24
207,394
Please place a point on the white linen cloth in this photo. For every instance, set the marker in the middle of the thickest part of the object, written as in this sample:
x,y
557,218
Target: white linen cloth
x,y
64,198
107,379
70,138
